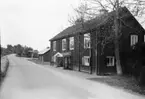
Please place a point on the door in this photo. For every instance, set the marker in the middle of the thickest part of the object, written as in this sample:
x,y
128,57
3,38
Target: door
x,y
67,62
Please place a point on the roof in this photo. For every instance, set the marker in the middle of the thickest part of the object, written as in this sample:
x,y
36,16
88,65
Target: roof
x,y
58,54
89,25
44,51
78,28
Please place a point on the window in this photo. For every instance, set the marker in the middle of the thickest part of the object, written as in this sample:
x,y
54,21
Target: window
x,y
71,43
54,45
63,44
110,60
134,39
87,40
86,60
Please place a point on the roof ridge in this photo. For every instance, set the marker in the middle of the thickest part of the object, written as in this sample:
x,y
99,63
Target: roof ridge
x,y
88,25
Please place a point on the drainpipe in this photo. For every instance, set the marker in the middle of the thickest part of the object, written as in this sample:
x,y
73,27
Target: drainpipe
x,y
90,52
79,52
98,58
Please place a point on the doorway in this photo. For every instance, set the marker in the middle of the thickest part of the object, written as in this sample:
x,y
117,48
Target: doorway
x,y
67,62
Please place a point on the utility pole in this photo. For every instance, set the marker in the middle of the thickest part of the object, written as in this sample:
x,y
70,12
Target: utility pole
x,y
117,53
79,53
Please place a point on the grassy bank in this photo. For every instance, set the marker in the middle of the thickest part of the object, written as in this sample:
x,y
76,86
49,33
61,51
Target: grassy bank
x,y
4,68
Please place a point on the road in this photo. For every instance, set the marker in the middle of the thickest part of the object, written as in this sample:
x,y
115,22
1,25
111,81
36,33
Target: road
x,y
27,80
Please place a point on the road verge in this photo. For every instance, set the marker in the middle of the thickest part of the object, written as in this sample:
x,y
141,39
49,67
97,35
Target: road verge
x,y
4,68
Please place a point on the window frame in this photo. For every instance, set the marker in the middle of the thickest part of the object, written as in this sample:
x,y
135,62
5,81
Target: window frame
x,y
71,40
84,58
86,38
54,45
64,47
133,39
111,62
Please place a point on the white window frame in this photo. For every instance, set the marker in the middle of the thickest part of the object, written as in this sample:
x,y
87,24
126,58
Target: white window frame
x,y
86,60
111,61
133,39
87,39
64,44
54,45
71,43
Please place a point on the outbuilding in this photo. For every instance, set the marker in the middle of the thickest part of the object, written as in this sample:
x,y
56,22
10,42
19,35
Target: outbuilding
x,y
44,55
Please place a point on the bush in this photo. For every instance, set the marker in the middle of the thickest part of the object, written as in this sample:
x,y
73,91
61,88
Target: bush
x,y
5,67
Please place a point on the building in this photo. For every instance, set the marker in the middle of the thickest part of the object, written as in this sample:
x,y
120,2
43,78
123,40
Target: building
x,y
79,46
44,55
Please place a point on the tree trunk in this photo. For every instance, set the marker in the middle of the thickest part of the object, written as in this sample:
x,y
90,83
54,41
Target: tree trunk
x,y
117,55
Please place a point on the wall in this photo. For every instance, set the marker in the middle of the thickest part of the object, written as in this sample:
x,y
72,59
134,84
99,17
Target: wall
x,y
46,57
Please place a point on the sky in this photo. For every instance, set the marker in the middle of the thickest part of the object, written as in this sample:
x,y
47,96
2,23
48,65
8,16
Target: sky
x,y
34,22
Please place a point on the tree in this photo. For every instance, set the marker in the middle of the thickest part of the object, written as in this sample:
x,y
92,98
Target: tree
x,y
27,51
89,9
35,53
10,48
2,50
19,50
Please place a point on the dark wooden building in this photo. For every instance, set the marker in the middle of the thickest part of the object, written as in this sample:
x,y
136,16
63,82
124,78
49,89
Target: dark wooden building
x,y
44,55
79,46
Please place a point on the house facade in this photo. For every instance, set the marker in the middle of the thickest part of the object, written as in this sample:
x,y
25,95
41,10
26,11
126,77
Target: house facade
x,y
78,47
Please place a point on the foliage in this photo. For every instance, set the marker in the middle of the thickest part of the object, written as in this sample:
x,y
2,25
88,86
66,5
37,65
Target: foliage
x,y
19,50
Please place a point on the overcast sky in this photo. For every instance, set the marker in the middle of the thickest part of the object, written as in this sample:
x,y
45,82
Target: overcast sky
x,y
33,22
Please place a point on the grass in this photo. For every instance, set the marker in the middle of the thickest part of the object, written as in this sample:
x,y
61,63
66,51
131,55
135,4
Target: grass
x,y
127,83
35,60
4,68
